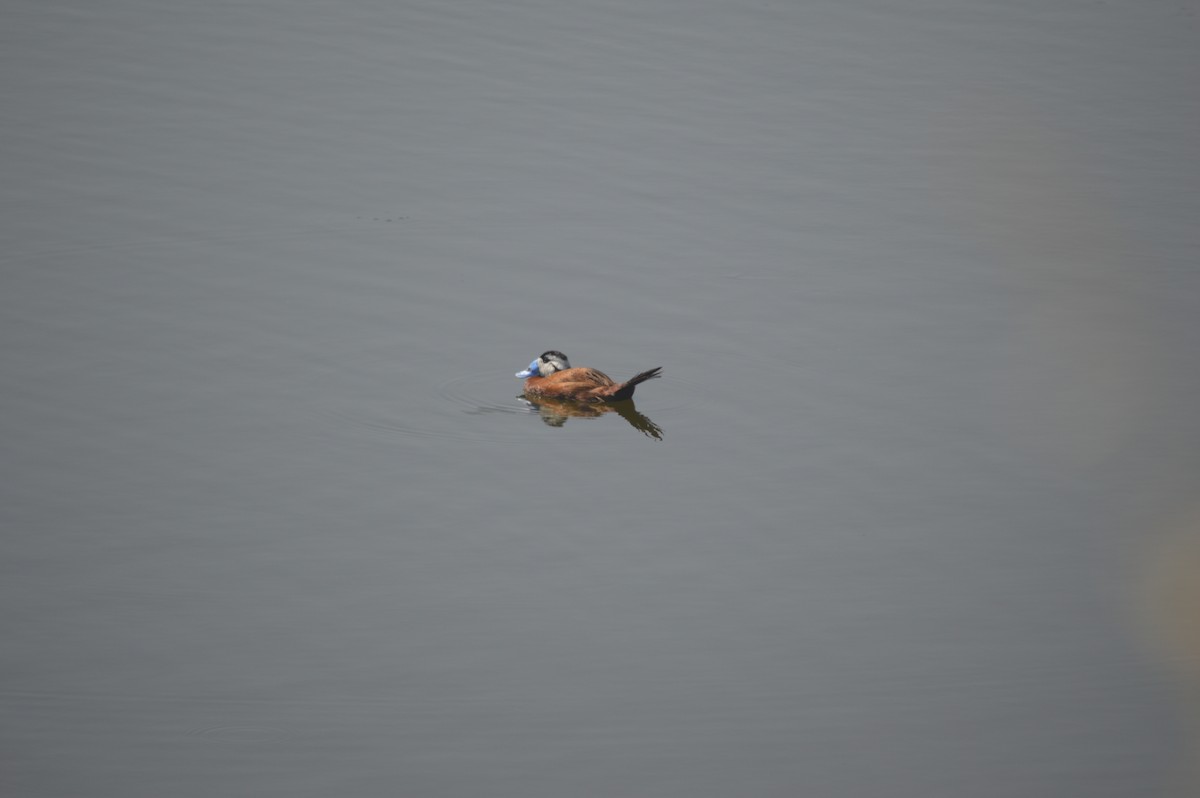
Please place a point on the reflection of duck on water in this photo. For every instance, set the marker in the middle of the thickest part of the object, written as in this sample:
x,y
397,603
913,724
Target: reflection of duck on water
x,y
555,412
559,392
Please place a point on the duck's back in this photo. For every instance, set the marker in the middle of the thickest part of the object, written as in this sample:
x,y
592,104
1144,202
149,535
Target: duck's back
x,y
583,375
580,383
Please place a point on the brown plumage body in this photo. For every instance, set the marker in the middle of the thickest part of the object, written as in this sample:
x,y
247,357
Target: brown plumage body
x,y
581,384
584,384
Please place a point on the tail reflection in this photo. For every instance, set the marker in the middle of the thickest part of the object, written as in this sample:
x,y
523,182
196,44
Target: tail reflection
x,y
555,412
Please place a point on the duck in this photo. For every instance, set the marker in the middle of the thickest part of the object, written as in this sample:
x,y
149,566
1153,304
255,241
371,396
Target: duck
x,y
550,375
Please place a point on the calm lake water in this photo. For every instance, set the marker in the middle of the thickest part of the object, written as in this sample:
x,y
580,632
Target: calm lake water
x,y
912,512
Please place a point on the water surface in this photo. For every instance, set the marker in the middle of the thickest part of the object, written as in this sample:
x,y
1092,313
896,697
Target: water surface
x,y
920,516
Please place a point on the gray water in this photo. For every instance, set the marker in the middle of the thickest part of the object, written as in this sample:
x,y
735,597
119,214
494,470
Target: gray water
x,y
912,512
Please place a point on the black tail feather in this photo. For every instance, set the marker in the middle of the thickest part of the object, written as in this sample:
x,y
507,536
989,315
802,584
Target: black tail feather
x,y
645,375
626,389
